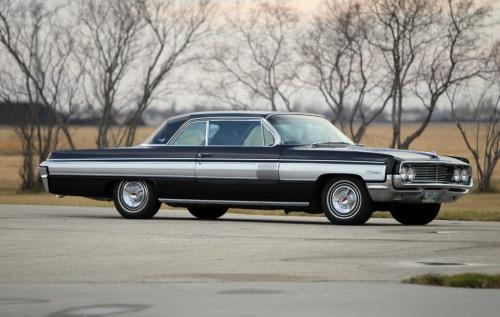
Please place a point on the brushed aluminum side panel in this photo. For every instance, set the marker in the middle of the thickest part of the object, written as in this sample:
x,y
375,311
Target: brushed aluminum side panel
x,y
311,171
102,168
237,170
268,171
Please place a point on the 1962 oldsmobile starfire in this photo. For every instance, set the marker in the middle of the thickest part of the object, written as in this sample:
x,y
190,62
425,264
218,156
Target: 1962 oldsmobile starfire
x,y
211,161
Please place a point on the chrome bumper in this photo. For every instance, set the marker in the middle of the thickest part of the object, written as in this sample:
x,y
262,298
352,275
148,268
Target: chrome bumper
x,y
44,174
393,190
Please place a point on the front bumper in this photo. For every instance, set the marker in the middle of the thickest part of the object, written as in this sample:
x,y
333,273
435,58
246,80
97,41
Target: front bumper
x,y
44,174
393,190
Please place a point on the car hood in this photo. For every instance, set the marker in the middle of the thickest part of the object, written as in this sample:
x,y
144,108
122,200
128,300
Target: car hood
x,y
403,155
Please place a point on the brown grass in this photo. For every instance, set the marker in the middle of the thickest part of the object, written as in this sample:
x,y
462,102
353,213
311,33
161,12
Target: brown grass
x,y
83,136
443,137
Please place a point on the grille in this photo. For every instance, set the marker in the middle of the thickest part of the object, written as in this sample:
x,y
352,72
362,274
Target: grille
x,y
432,173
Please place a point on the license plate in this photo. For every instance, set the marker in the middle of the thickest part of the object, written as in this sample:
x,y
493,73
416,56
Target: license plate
x,y
430,196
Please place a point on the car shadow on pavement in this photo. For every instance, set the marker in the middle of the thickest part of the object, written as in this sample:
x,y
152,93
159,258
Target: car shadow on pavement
x,y
251,219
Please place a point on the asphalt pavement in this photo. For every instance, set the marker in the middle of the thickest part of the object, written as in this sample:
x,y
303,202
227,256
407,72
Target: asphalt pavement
x,y
79,261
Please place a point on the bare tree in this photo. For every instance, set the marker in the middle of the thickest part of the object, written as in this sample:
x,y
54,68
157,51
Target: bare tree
x,y
477,118
255,56
343,65
38,50
109,35
400,29
170,37
427,46
453,57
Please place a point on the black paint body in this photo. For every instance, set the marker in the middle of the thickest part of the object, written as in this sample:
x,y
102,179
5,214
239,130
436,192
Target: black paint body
x,y
233,189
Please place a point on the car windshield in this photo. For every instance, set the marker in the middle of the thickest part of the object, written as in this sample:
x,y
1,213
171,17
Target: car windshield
x,y
304,129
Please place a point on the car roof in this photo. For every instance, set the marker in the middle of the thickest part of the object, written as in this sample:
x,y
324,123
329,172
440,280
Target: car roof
x,y
204,114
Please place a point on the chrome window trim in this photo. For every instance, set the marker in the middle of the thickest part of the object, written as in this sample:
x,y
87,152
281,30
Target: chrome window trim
x,y
277,137
295,114
182,129
253,146
274,133
262,134
272,130
207,129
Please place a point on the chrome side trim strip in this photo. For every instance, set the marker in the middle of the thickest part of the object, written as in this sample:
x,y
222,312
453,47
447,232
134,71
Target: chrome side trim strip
x,y
234,202
89,168
126,159
218,159
126,175
311,172
265,169
332,161
377,186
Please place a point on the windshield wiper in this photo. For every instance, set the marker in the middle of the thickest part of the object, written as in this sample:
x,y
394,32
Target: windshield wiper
x,y
317,144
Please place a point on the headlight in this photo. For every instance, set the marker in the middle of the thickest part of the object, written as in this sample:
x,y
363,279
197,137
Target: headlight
x,y
456,175
411,174
404,173
464,175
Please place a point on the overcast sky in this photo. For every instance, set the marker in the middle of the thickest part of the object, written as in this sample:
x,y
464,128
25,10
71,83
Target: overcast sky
x,y
306,9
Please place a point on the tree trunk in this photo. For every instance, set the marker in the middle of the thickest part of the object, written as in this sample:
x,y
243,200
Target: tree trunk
x,y
395,125
484,183
27,172
69,138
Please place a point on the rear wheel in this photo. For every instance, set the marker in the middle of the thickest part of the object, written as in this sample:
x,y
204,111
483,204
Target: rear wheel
x,y
416,215
135,199
207,212
345,201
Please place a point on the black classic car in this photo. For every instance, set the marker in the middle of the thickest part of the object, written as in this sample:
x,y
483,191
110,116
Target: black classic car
x,y
211,161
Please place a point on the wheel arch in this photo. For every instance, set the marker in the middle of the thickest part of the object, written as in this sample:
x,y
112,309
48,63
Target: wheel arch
x,y
117,181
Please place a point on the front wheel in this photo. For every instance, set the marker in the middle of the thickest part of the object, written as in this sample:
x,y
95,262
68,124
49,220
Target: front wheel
x,y
135,199
207,212
416,215
345,201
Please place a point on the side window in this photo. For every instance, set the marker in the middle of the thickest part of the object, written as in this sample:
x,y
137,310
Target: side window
x,y
254,137
237,133
194,134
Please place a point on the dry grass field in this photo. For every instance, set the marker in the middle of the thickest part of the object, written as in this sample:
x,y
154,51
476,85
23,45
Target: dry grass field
x,y
443,138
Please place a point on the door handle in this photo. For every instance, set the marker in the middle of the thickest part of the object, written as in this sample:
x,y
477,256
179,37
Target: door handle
x,y
202,155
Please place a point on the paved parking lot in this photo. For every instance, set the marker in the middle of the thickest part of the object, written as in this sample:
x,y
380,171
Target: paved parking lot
x,y
54,259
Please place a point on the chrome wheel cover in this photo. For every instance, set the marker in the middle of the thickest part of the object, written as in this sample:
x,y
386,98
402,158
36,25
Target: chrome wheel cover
x,y
344,199
133,195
